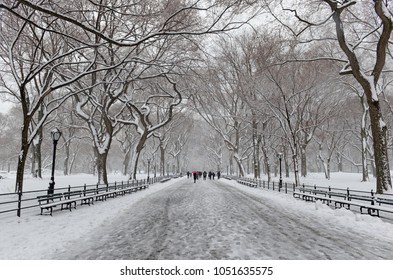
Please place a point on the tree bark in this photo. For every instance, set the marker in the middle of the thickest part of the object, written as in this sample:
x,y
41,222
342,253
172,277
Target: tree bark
x,y
22,156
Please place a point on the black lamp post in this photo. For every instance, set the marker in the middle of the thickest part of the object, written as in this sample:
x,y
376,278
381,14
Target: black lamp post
x,y
280,159
55,134
148,170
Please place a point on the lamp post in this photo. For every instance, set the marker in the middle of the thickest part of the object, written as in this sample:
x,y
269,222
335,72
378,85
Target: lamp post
x,y
55,134
148,170
280,159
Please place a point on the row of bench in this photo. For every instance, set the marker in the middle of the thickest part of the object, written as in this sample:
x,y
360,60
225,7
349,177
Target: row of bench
x,y
367,204
247,183
69,200
373,207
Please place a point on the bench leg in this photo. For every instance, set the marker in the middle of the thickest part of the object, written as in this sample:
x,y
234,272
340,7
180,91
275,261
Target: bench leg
x,y
371,212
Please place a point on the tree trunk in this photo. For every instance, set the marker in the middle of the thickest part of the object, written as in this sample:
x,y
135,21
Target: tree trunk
x,y
379,131
296,169
303,160
231,163
240,167
286,163
266,159
162,161
33,161
178,164
138,149
22,156
66,159
364,155
101,164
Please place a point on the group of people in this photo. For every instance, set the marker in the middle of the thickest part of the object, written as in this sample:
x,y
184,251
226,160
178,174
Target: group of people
x,y
198,174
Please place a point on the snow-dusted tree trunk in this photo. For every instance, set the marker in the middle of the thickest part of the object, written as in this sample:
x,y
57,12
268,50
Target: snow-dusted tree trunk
x,y
136,154
363,139
325,163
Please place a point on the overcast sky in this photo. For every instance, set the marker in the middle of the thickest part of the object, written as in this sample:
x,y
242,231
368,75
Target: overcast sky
x,y
4,106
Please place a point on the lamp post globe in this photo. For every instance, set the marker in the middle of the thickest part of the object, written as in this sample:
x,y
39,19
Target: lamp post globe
x,y
55,134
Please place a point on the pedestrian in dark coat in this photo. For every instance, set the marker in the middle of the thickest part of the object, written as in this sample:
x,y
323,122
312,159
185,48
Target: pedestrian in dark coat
x,y
195,175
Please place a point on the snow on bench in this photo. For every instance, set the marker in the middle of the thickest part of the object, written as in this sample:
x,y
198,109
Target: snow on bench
x,y
371,208
68,200
247,183
165,180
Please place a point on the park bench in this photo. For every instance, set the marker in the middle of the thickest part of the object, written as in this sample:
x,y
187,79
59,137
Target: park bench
x,y
382,200
370,208
361,197
248,183
343,195
47,202
100,194
165,180
69,200
319,192
140,187
338,203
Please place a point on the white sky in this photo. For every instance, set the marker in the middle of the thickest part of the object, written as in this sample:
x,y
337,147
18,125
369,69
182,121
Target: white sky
x,y
4,107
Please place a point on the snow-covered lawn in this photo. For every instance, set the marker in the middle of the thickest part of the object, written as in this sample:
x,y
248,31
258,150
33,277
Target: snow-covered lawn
x,y
337,180
7,184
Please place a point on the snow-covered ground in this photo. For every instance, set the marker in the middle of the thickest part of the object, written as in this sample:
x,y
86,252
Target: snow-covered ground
x,y
224,209
223,220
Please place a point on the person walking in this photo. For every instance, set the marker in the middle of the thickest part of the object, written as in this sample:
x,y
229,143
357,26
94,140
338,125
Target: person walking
x,y
204,175
195,175
218,175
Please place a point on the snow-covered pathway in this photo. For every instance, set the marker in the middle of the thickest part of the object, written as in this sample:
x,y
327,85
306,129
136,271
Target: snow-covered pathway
x,y
214,220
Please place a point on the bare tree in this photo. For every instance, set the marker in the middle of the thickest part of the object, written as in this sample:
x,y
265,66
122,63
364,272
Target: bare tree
x,y
220,104
33,60
363,30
